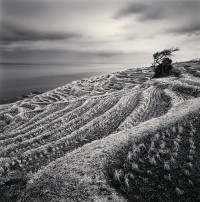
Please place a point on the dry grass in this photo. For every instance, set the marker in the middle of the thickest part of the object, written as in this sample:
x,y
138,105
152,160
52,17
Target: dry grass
x,y
162,166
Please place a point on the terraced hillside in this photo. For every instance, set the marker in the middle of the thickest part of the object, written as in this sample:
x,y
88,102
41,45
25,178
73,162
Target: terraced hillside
x,y
117,137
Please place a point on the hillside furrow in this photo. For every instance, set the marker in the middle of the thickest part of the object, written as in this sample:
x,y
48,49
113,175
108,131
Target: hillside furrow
x,y
70,112
49,109
58,131
100,127
159,105
39,114
34,125
134,118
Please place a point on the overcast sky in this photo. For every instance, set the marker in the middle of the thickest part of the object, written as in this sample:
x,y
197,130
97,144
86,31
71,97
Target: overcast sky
x,y
109,31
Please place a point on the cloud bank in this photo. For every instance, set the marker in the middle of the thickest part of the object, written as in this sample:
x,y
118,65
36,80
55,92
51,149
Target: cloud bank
x,y
93,30
12,33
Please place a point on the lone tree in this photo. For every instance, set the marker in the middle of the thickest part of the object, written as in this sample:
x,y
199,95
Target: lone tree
x,y
159,56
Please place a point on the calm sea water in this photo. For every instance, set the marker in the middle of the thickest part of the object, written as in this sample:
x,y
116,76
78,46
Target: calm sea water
x,y
21,79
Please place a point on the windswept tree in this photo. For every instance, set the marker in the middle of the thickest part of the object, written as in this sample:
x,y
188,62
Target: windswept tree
x,y
159,56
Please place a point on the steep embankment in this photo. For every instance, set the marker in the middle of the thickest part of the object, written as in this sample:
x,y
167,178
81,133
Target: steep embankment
x,y
117,137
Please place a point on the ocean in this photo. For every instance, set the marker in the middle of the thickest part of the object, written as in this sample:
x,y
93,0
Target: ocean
x,y
17,80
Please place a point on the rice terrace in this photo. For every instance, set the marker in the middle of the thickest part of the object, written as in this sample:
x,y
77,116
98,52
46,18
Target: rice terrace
x,y
118,137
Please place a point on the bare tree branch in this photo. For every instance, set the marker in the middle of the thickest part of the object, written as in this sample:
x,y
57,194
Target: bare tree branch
x,y
159,56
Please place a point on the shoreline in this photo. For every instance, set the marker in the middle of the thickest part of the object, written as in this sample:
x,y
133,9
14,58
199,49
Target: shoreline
x,y
12,100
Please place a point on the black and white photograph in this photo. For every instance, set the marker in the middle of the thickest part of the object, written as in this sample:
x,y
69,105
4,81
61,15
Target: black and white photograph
x,y
99,100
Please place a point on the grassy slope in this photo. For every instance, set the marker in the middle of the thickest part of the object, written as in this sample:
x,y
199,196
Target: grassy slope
x,y
83,179
85,172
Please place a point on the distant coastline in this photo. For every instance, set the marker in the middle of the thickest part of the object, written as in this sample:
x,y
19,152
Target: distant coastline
x,y
18,79
11,100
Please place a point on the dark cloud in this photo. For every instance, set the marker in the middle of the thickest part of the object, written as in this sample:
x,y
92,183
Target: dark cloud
x,y
130,9
157,10
193,29
10,34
